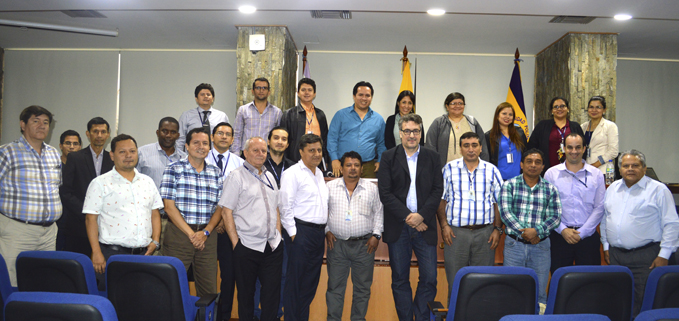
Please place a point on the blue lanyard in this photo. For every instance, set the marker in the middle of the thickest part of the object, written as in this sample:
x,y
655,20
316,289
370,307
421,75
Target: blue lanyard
x,y
563,134
346,191
581,182
267,179
273,169
225,164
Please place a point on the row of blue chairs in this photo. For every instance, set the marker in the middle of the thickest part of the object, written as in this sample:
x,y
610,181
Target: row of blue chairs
x,y
138,288
492,292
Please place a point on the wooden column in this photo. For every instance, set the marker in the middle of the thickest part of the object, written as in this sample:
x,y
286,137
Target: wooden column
x,y
277,63
577,67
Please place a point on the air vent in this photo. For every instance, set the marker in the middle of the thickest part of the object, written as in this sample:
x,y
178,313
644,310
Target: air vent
x,y
583,20
330,14
83,14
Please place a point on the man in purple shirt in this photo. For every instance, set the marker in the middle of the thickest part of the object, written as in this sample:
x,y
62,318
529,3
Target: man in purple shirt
x,y
581,189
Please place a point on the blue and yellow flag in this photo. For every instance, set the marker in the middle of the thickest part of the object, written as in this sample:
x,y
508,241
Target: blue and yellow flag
x,y
515,96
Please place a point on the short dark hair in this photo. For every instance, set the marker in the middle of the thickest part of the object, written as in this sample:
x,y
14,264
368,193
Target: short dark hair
x,y
278,128
351,154
261,79
36,111
204,86
533,151
469,135
403,94
574,134
196,130
214,130
410,117
451,97
600,99
119,138
364,84
169,120
98,121
307,81
67,133
307,139
551,103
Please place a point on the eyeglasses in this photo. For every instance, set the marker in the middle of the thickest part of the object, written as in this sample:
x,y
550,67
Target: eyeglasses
x,y
596,107
456,104
260,88
409,132
223,134
560,107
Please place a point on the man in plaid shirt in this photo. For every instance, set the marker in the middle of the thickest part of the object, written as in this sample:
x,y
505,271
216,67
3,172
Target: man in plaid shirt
x,y
531,209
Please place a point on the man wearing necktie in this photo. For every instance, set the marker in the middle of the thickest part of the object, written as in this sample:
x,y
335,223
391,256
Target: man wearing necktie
x,y
202,116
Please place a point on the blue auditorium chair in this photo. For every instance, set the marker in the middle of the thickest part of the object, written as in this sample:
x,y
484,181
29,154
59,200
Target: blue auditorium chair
x,y
592,289
658,314
555,317
55,271
662,288
5,286
41,306
145,288
488,293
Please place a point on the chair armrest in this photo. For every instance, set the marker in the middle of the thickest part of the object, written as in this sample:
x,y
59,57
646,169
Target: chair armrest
x,y
438,312
206,300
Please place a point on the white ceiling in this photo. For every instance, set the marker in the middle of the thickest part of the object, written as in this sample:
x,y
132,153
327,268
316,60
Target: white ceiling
x,y
479,27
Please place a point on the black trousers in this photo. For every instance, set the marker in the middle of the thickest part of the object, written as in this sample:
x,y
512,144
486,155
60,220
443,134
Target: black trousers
x,y
305,258
226,273
585,252
77,244
639,262
250,265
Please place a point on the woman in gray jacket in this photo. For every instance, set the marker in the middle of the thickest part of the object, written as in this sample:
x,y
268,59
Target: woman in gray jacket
x,y
444,133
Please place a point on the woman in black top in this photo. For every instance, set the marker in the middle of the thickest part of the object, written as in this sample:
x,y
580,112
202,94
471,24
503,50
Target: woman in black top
x,y
405,104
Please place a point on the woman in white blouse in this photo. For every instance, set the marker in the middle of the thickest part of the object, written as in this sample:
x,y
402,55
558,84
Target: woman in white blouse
x,y
601,135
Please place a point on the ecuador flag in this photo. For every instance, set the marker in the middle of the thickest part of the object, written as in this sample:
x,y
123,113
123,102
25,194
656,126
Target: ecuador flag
x,y
515,96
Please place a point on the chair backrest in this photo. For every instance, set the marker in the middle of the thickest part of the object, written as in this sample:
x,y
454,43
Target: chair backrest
x,y
149,288
662,288
55,271
556,317
40,306
5,286
606,290
658,315
512,290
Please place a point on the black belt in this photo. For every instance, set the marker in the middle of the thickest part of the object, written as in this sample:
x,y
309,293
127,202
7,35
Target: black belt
x,y
197,227
474,227
131,250
524,241
360,238
309,224
574,227
43,224
643,247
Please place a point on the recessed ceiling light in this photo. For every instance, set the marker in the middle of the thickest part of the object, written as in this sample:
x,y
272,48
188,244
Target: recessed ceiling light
x,y
436,12
247,9
622,16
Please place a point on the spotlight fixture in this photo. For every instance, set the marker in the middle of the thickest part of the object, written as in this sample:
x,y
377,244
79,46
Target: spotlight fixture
x,y
622,17
436,12
247,9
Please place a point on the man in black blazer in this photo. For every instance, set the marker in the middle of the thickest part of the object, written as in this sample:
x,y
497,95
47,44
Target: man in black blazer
x,y
410,216
80,169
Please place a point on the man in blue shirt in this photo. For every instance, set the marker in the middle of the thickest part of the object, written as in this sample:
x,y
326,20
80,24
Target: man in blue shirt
x,y
360,129
640,228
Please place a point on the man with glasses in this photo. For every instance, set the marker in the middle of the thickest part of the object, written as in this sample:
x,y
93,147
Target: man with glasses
x,y
202,116
581,189
468,213
69,142
256,118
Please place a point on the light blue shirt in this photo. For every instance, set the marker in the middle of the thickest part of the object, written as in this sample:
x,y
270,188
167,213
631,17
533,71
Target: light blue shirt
x,y
638,215
153,160
230,161
582,197
411,199
348,132
193,118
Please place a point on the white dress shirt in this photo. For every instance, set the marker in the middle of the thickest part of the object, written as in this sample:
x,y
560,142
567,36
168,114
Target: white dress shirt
x,y
230,161
124,208
356,215
303,195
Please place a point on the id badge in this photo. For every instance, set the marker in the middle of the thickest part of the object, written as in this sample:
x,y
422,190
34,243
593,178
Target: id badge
x,y
471,194
310,132
589,153
348,217
510,158
561,149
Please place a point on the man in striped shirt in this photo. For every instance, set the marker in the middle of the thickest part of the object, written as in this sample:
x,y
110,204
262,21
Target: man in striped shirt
x,y
468,214
530,208
256,118
30,174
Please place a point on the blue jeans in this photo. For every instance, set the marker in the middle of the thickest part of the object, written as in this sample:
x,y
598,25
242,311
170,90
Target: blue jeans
x,y
400,254
258,286
536,257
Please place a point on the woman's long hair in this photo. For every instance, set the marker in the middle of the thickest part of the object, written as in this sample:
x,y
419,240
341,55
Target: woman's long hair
x,y
495,132
400,97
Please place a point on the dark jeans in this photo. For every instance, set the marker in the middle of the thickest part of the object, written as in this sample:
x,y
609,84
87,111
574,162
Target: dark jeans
x,y
250,265
258,286
77,244
228,276
400,254
585,252
305,257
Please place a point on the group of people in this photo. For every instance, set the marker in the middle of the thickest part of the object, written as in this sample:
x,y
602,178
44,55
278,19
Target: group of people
x,y
255,198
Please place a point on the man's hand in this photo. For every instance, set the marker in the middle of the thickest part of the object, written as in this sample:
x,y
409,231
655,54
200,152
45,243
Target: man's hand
x,y
372,244
220,228
150,248
336,168
292,238
607,258
377,166
530,235
414,219
198,240
98,262
330,240
659,261
421,227
448,235
570,235
233,244
494,239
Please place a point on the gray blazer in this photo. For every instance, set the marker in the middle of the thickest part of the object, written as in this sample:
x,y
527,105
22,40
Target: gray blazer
x,y
439,133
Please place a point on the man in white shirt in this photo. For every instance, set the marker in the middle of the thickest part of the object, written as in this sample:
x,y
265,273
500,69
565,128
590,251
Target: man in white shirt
x,y
202,116
303,205
122,208
355,224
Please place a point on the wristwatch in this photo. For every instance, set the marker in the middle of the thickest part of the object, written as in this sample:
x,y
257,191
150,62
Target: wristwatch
x,y
377,236
499,229
157,244
206,233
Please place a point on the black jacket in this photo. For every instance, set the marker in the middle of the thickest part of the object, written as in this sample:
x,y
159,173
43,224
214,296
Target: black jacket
x,y
294,120
389,139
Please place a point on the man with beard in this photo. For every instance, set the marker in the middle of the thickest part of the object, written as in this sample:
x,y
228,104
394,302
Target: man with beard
x,y
256,118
